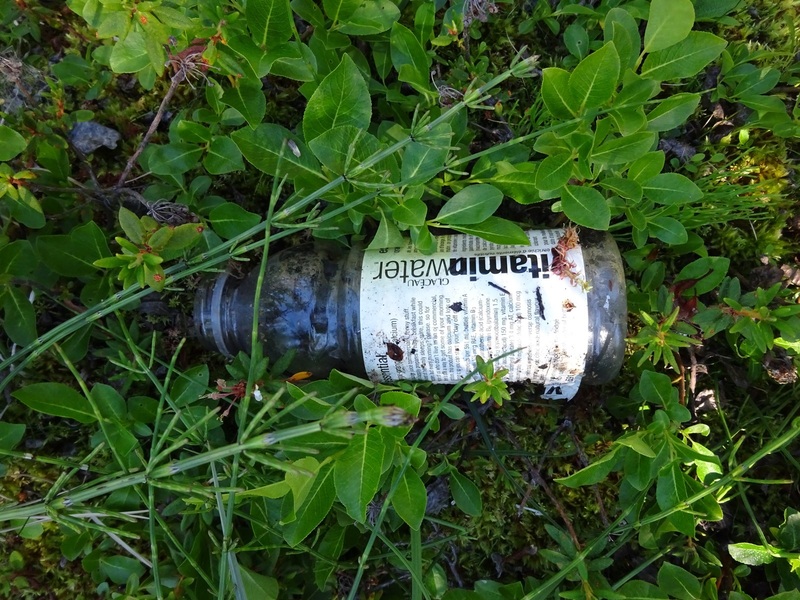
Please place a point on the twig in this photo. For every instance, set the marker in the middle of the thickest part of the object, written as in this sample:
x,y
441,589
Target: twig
x,y
177,78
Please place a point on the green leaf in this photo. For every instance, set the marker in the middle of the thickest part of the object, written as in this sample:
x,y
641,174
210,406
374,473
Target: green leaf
x,y
316,506
497,230
411,499
684,59
671,188
668,230
119,568
223,156
473,204
248,99
130,55
73,255
266,147
338,10
342,98
293,60
625,149
556,93
672,112
555,171
370,18
421,162
594,80
657,388
19,318
11,143
576,40
637,444
411,212
585,206
679,583
357,473
188,388
789,532
387,236
668,23
671,487
750,554
258,586
637,470
647,166
466,494
330,549
518,181
626,188
641,590
270,22
17,258
621,28
343,149
25,208
230,220
409,57
594,473
56,399
710,271
10,435
172,159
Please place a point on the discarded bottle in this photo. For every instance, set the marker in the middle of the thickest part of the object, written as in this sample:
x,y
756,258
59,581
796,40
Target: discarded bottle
x,y
554,312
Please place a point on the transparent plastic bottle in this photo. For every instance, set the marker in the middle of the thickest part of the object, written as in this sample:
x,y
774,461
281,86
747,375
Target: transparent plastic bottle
x,y
396,314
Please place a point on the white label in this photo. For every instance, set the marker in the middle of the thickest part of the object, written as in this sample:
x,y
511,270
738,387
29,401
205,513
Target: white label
x,y
426,318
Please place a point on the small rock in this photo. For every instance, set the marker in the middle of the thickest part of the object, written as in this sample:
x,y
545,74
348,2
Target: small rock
x,y
89,136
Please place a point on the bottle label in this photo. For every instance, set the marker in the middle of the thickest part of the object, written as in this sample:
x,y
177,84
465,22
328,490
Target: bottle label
x,y
426,317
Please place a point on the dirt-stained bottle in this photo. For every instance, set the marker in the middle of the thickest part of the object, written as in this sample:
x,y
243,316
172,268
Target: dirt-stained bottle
x,y
553,312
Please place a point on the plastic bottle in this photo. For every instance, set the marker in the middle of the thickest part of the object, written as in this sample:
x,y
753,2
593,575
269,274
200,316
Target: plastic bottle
x,y
553,312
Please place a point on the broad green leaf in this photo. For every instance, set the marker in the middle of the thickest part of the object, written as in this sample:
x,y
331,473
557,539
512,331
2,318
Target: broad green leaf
x,y
188,388
594,80
370,18
119,568
556,93
789,532
473,204
646,167
671,486
409,57
315,508
625,188
671,188
709,271
656,387
223,156
339,10
172,159
11,143
248,99
270,21
343,150
411,212
679,583
56,399
637,444
342,98
230,220
109,402
672,112
387,236
517,181
10,435
357,473
17,258
25,207
466,494
268,146
421,162
641,590
764,104
594,473
576,40
637,470
19,317
293,60
621,28
585,206
624,149
411,499
258,586
750,554
554,171
73,255
668,230
668,23
685,58
330,548
130,54
497,230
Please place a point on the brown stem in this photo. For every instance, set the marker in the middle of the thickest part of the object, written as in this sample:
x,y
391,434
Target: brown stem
x,y
174,82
